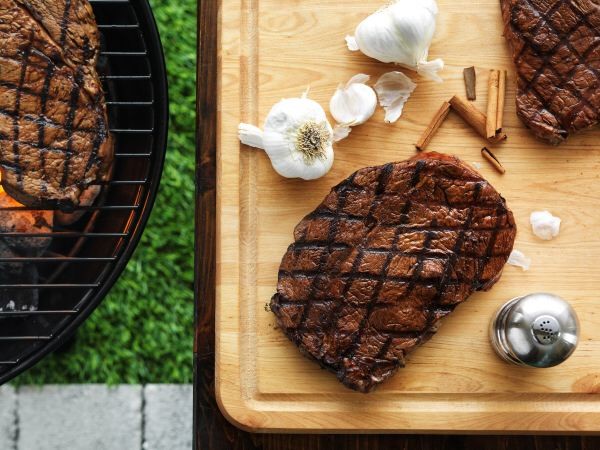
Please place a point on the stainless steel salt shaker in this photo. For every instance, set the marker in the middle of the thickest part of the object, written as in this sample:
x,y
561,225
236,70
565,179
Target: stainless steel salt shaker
x,y
537,330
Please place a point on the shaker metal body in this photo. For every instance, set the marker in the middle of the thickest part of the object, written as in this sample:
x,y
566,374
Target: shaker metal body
x,y
536,330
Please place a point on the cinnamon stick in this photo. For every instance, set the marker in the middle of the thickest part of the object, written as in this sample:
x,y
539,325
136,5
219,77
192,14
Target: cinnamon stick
x,y
492,105
491,158
501,99
470,83
475,118
433,126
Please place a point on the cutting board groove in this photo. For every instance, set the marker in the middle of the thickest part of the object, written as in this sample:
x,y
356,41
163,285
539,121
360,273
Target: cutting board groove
x,y
270,49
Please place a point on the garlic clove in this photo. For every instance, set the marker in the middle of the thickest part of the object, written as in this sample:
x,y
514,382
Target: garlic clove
x,y
354,103
352,44
340,132
393,90
518,258
250,135
415,22
400,33
544,225
376,37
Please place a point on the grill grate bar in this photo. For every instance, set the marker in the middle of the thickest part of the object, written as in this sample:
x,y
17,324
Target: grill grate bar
x,y
62,234
126,77
25,338
118,53
67,312
57,259
75,208
118,182
118,26
129,103
51,286
130,131
133,155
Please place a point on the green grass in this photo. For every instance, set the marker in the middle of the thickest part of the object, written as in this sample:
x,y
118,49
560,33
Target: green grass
x,y
142,332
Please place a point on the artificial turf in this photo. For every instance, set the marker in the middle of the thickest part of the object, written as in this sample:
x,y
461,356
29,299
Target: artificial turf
x,y
143,330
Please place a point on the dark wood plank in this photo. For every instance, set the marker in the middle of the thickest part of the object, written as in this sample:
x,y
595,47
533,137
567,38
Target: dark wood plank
x,y
212,431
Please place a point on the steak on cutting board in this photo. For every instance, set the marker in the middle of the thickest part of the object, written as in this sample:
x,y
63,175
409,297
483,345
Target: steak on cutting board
x,y
555,46
54,134
389,252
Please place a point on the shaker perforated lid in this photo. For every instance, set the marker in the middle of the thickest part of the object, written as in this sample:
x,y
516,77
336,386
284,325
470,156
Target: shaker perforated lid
x,y
538,330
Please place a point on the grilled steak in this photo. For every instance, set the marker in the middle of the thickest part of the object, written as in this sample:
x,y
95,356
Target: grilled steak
x,y
54,138
555,45
388,253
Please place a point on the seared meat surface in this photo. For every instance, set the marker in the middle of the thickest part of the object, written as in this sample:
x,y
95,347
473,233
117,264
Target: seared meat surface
x,y
54,134
388,253
555,46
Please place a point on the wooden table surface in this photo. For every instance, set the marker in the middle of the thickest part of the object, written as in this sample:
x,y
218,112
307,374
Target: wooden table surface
x,y
212,431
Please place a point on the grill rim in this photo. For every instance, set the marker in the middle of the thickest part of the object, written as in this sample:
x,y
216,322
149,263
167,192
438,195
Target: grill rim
x,y
152,183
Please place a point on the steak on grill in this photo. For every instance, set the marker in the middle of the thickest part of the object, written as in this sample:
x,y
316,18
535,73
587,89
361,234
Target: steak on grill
x,y
556,49
54,135
389,252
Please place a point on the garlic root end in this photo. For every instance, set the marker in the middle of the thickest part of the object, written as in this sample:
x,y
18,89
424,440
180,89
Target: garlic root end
x,y
250,135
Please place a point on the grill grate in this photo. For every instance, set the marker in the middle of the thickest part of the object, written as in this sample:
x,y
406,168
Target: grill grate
x,y
85,259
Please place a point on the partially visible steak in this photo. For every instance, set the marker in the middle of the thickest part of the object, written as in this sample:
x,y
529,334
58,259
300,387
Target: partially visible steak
x,y
388,253
556,49
54,134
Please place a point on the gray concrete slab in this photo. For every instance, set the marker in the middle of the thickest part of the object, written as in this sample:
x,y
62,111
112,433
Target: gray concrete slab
x,y
168,417
80,417
8,416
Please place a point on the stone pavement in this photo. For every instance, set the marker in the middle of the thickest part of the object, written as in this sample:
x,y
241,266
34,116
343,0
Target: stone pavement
x,y
96,417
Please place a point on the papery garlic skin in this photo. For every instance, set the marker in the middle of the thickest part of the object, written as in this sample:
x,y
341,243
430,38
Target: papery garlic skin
x,y
393,90
297,138
518,258
544,225
400,33
354,103
341,132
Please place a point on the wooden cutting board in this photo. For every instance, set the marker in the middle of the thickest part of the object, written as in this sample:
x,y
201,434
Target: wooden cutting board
x,y
270,49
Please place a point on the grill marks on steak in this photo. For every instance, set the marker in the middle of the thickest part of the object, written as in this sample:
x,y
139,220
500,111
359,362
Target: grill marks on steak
x,y
54,137
388,253
556,49
70,24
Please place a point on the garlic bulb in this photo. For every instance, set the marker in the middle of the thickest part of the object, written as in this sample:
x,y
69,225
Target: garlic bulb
x,y
393,90
351,105
400,33
296,136
544,225
518,258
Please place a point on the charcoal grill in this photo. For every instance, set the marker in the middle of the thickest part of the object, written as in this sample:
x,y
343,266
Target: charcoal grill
x,y
85,259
